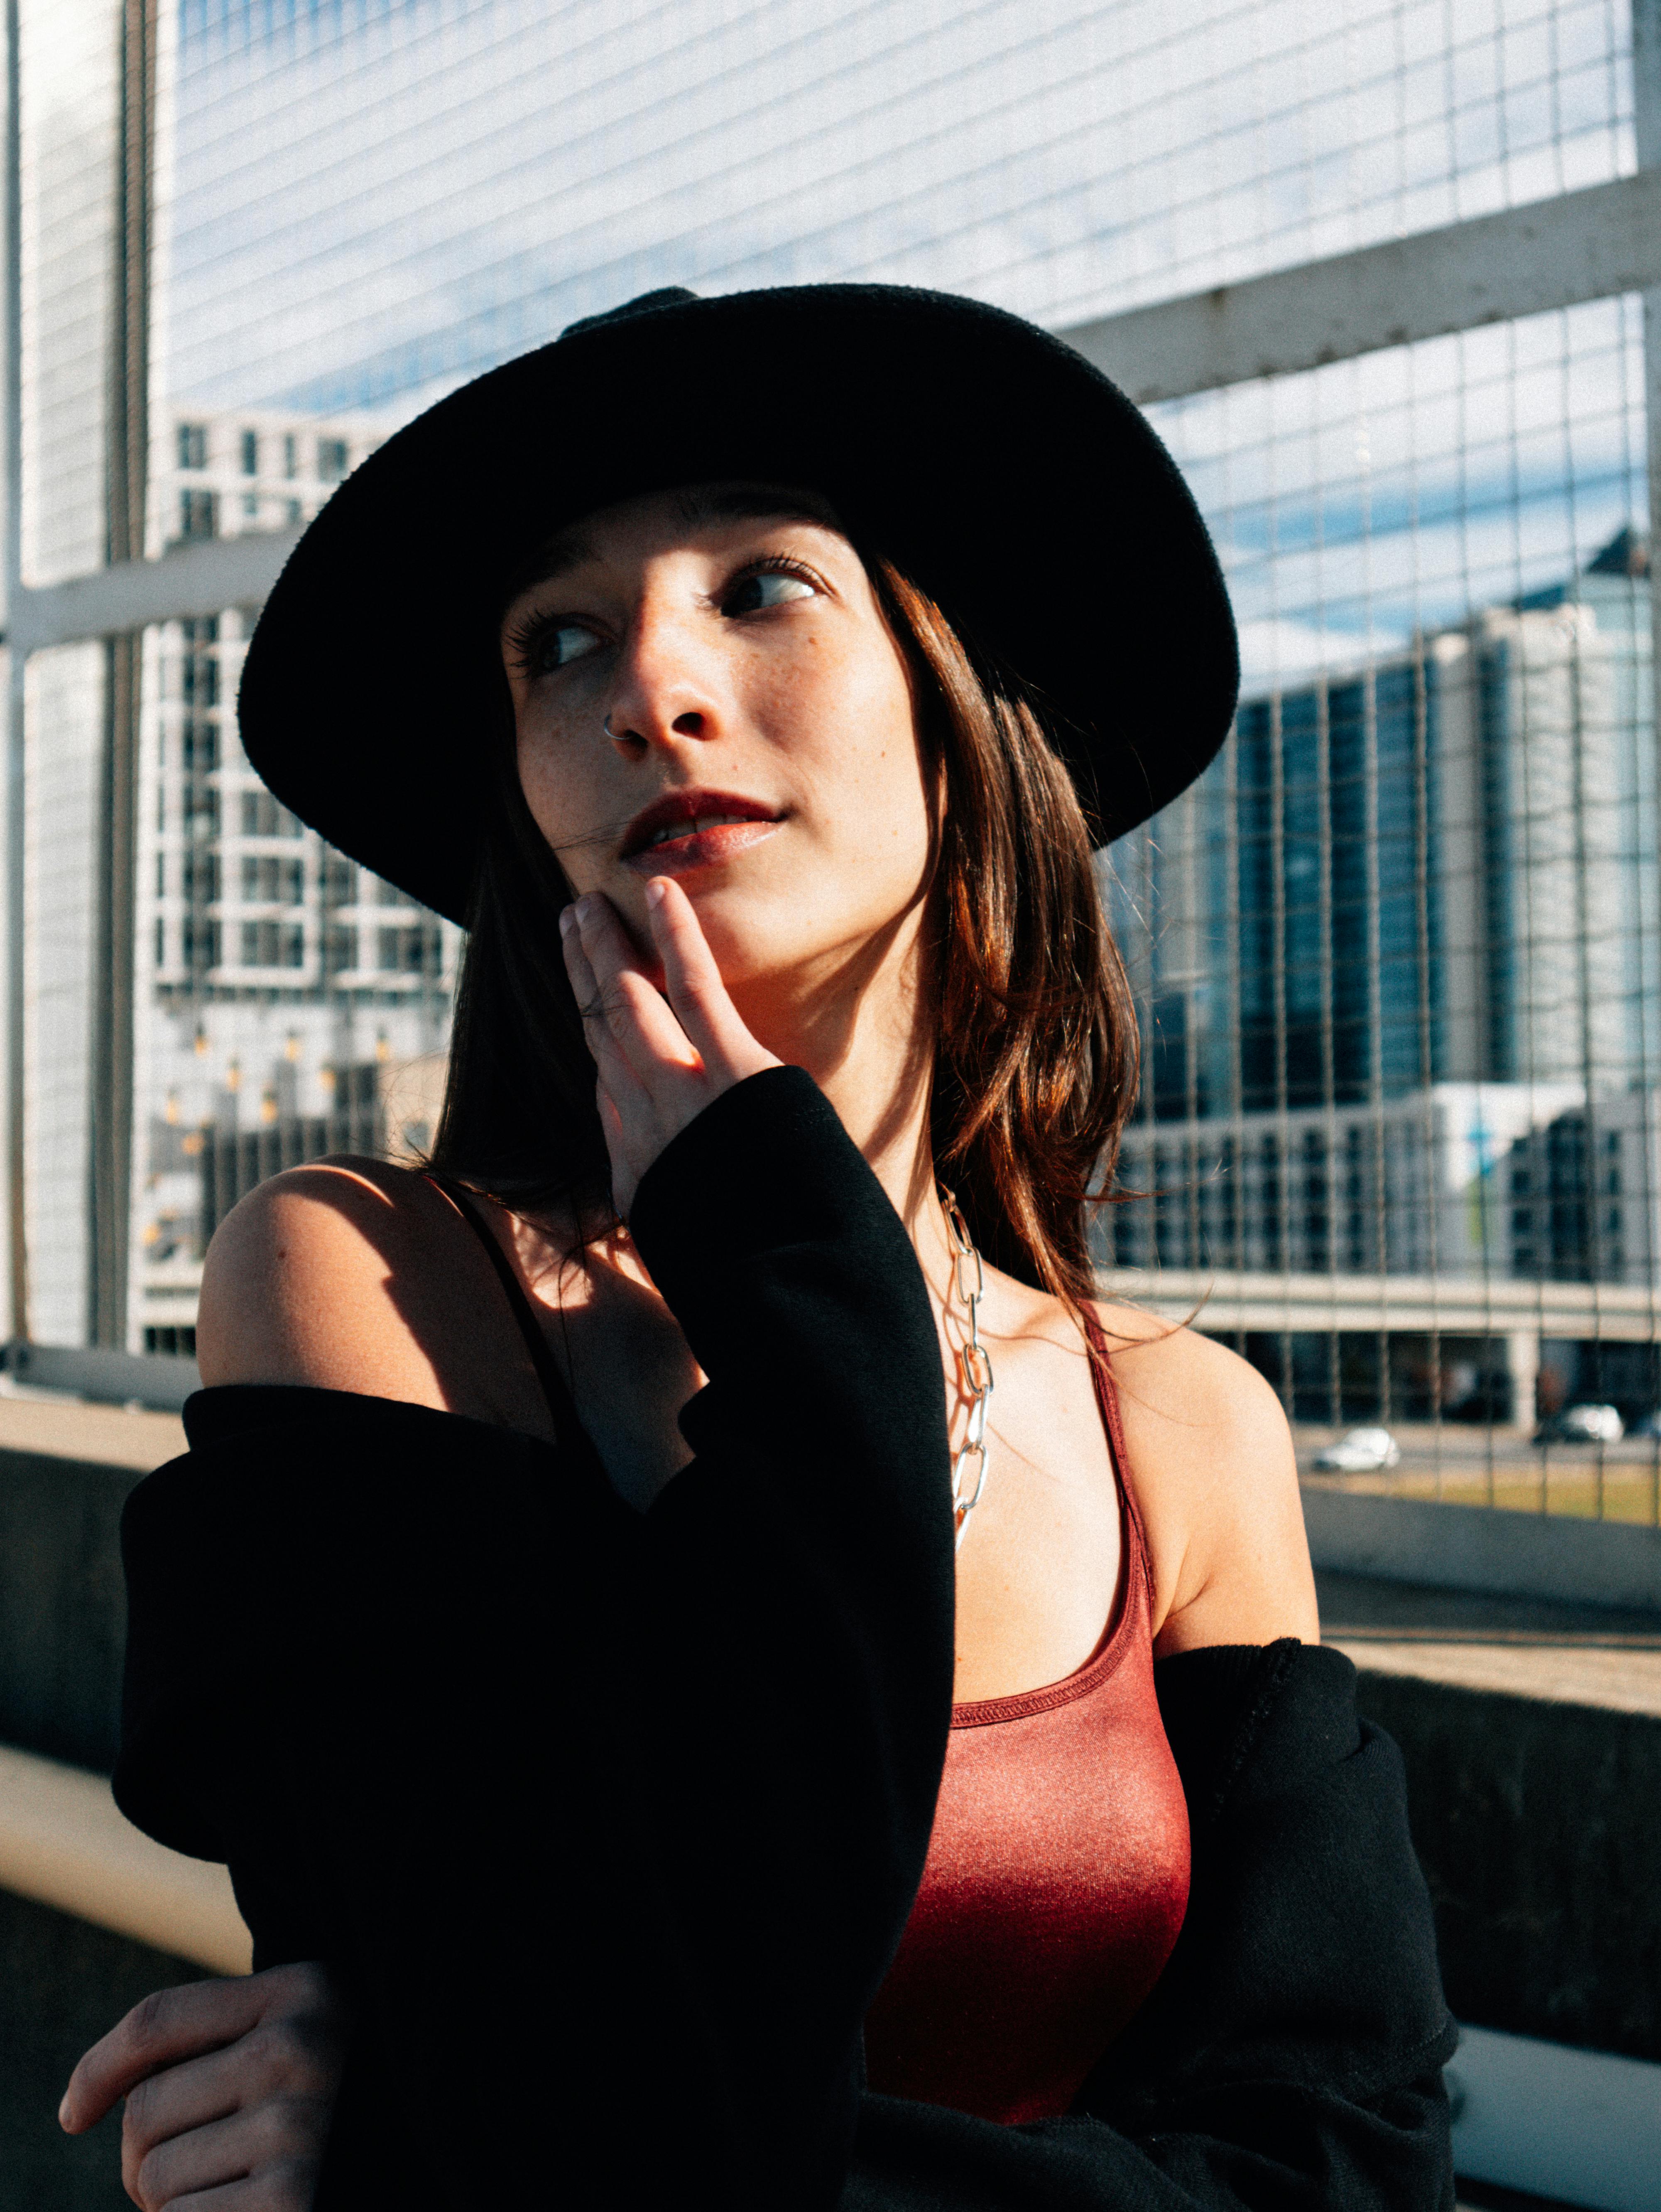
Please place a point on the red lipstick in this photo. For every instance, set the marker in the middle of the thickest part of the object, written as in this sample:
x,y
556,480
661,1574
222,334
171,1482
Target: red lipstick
x,y
683,830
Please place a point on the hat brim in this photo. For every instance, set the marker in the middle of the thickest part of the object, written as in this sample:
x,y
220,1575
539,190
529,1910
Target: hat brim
x,y
1009,478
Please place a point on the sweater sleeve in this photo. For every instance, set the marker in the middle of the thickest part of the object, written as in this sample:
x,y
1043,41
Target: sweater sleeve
x,y
612,1819
1291,2056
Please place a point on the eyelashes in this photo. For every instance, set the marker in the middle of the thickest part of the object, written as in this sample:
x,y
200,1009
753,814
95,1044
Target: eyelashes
x,y
774,564
527,637
526,640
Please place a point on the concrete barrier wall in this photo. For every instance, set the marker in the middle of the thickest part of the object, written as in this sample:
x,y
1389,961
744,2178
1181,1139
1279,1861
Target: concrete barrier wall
x,y
63,1981
63,1606
63,1985
1469,1547
1536,1825
1536,1820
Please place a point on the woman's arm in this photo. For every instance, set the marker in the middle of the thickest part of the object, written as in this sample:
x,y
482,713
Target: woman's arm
x,y
1216,1479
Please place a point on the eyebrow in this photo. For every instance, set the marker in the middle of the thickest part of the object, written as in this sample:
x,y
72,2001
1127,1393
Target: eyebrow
x,y
566,551
569,549
754,504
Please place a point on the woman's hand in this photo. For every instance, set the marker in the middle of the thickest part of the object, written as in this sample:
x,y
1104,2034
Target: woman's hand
x,y
230,2088
662,1055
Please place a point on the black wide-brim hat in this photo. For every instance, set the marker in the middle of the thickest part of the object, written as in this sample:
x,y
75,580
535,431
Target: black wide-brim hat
x,y
1006,477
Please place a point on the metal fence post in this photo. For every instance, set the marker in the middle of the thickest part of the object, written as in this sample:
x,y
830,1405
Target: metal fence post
x,y
11,547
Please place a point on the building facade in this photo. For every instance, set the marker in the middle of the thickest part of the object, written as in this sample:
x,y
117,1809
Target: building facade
x,y
1396,964
288,1002
1443,870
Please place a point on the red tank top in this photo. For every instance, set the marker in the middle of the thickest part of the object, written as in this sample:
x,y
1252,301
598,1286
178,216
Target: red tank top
x,y
1057,1877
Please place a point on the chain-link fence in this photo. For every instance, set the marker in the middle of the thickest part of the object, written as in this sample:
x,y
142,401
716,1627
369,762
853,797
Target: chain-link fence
x,y
1390,283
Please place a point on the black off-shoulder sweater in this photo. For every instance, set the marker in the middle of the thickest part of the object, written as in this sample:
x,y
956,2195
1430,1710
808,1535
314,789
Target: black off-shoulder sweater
x,y
611,1820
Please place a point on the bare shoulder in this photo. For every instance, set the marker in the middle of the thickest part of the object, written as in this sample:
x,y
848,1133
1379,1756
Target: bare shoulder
x,y
1212,1459
353,1274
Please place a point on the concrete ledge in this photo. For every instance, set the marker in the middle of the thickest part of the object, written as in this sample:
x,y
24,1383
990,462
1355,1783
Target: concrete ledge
x,y
1471,1547
118,1378
1576,2125
63,1843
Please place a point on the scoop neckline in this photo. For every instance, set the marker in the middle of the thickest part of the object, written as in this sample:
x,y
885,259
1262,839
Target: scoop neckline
x,y
1022,1704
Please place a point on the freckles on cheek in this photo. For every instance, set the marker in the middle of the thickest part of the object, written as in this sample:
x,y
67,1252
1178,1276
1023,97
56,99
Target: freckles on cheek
x,y
555,807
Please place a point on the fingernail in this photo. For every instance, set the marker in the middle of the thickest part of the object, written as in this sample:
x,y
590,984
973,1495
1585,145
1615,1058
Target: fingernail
x,y
654,891
567,920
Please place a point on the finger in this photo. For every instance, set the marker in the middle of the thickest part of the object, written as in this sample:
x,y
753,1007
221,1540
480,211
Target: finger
x,y
288,2057
189,2095
640,1019
590,999
618,1150
634,1037
696,992
273,2189
171,2026
282,2133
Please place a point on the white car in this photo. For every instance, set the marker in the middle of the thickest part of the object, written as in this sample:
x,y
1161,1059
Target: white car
x,y
1583,1424
1359,1451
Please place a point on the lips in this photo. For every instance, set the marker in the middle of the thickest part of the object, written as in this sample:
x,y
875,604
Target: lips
x,y
686,830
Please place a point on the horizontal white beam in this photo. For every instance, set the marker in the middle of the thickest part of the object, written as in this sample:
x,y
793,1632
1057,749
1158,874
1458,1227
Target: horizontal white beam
x,y
1588,245
1615,1313
201,579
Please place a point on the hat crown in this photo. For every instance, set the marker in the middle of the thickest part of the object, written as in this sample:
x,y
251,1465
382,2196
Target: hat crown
x,y
666,295
1128,639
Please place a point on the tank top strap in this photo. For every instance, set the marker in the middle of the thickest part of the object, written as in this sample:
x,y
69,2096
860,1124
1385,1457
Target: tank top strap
x,y
562,1407
1107,1400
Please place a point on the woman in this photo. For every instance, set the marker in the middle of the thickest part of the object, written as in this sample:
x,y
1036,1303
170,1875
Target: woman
x,y
555,1623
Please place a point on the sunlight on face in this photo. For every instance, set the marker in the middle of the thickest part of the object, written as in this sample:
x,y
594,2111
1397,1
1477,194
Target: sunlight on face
x,y
704,686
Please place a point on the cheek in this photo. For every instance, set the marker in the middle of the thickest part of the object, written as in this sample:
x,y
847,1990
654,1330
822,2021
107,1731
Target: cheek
x,y
865,762
551,775
890,814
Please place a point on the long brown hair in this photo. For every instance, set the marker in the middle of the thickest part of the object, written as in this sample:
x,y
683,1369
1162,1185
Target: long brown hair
x,y
1036,1051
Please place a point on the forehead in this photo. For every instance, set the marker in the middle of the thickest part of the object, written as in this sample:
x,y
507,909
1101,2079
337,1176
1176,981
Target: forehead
x,y
684,509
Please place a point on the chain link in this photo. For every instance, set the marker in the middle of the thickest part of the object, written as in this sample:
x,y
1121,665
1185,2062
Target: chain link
x,y
974,1364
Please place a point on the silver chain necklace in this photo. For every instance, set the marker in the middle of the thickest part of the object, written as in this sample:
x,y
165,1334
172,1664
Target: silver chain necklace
x,y
969,1280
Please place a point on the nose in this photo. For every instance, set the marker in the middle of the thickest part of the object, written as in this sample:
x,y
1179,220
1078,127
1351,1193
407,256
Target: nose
x,y
669,689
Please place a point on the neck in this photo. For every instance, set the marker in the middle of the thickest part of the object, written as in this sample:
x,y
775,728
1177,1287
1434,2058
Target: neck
x,y
865,1032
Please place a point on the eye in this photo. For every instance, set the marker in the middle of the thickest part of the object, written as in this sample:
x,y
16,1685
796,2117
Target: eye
x,y
543,643
559,644
765,587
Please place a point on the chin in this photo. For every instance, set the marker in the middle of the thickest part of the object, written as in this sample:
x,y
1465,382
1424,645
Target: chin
x,y
751,948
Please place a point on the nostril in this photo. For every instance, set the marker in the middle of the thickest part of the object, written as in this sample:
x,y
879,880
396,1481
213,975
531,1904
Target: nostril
x,y
688,725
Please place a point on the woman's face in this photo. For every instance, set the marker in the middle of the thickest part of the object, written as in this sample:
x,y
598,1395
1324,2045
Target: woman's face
x,y
704,687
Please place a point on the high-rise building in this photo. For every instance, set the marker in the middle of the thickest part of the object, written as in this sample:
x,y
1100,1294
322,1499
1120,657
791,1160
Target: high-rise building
x,y
288,1001
1407,920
